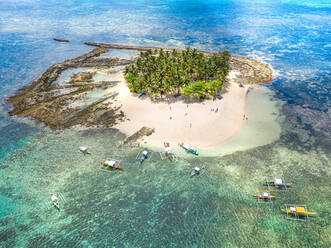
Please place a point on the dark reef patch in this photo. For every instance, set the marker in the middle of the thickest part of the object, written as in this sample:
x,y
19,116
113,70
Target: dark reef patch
x,y
7,234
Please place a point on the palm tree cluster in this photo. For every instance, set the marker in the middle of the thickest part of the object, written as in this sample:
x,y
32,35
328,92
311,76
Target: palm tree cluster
x,y
158,72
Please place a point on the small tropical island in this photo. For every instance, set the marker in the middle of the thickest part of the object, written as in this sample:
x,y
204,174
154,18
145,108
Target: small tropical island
x,y
188,72
156,95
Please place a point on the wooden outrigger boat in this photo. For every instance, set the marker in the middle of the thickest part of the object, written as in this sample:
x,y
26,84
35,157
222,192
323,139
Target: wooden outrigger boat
x,y
112,164
264,196
84,150
144,155
197,170
168,151
297,212
55,200
276,182
189,148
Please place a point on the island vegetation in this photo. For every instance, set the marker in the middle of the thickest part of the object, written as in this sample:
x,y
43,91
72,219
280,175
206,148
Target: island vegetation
x,y
187,72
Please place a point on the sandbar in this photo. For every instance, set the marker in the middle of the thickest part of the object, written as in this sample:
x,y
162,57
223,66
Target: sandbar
x,y
206,124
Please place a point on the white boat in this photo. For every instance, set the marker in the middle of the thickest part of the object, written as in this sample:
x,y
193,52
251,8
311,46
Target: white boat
x,y
112,164
55,201
84,150
196,170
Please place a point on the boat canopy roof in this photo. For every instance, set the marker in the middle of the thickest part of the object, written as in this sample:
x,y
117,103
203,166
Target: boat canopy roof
x,y
301,209
187,146
53,197
278,181
110,162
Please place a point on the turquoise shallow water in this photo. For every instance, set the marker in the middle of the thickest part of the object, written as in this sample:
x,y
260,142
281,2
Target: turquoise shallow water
x,y
158,204
159,200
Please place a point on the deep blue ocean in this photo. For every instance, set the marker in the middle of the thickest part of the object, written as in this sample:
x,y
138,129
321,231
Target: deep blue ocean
x,y
158,205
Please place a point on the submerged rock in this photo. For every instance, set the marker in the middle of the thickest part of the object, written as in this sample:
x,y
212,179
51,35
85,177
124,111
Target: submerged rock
x,y
144,131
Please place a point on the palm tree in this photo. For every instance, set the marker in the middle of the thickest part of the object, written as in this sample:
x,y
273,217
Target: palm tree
x,y
163,72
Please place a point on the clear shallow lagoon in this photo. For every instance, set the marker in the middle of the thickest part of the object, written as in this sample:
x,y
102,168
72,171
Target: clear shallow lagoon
x,y
158,205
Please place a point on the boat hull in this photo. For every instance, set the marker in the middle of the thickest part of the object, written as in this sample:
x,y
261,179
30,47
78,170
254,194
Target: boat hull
x,y
194,152
118,167
297,213
262,197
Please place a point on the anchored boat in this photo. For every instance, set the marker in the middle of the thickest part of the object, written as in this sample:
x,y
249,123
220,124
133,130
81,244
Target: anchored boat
x,y
189,148
144,155
55,201
276,182
197,170
84,150
112,164
264,195
168,151
297,212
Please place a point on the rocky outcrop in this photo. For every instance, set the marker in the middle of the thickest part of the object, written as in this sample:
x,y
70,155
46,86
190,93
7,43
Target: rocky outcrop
x,y
60,40
144,131
49,102
251,71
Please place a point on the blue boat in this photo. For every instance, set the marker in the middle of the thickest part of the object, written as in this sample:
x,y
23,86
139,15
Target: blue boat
x,y
189,148
144,155
142,94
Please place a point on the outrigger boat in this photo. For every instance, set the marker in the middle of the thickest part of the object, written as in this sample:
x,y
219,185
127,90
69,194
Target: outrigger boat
x,y
189,148
144,155
84,150
112,164
168,151
264,195
196,171
296,211
55,201
276,182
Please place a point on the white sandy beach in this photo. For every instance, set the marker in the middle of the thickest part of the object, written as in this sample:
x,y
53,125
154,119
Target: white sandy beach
x,y
193,123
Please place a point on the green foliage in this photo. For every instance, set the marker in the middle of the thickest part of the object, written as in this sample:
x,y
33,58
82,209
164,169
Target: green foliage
x,y
196,89
160,72
201,89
